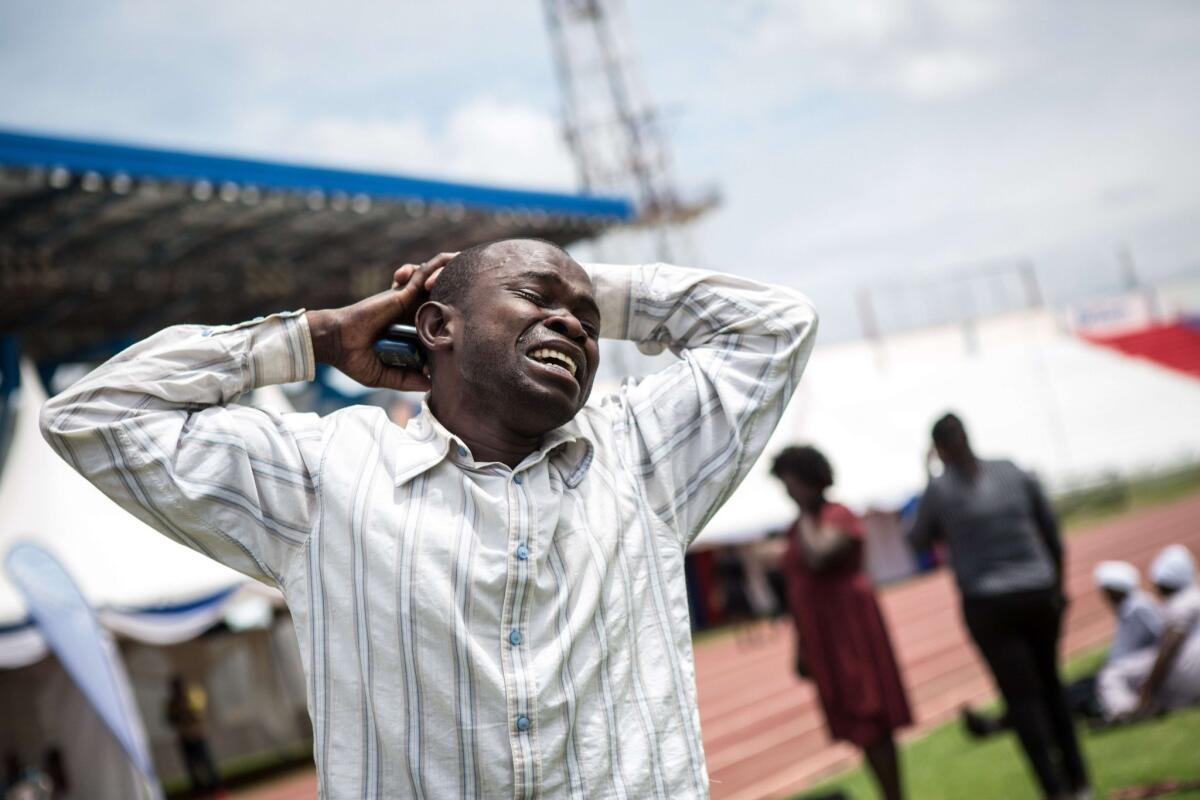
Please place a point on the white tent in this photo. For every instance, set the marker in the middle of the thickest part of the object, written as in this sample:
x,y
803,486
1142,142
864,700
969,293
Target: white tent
x,y
144,588
119,563
1027,390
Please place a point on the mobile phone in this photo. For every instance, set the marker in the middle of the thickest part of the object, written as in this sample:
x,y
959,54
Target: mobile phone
x,y
400,347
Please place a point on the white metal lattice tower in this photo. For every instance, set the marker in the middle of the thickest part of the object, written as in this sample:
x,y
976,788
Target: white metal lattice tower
x,y
609,124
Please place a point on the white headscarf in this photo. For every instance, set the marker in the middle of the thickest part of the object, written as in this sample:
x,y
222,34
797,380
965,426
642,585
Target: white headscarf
x,y
1119,576
1173,568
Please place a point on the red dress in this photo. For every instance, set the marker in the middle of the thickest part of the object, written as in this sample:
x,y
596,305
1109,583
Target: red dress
x,y
845,639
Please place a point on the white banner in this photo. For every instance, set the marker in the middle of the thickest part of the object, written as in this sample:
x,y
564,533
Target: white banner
x,y
85,650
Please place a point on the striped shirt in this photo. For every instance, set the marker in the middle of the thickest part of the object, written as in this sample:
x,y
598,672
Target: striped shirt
x,y
466,629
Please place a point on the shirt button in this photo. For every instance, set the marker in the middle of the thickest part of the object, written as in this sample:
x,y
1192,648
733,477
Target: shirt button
x,y
518,479
522,723
522,552
462,451
514,637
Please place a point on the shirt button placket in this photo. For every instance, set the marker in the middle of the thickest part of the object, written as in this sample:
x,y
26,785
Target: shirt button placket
x,y
522,723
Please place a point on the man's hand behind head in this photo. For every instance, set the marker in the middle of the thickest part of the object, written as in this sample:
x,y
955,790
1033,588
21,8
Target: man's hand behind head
x,y
344,337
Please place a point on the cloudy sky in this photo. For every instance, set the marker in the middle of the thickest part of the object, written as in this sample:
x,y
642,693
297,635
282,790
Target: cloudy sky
x,y
855,142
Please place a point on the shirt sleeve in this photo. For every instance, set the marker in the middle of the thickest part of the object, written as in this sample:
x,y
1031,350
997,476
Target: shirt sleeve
x,y
1181,613
926,528
157,430
694,429
1046,519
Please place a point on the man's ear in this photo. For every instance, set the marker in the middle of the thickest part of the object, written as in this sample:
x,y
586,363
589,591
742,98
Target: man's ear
x,y
436,324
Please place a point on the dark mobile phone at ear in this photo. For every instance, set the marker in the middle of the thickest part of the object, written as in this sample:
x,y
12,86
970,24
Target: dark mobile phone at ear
x,y
400,347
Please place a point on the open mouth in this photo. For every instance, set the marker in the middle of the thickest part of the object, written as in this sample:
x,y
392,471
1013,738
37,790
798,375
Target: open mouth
x,y
555,359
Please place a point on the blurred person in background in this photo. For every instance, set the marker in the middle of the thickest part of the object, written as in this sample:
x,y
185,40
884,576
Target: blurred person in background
x,y
1139,616
186,709
842,642
1139,627
1165,677
1003,544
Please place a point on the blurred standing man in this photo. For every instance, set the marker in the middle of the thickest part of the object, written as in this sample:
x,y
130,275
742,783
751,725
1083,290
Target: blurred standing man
x,y
186,708
490,601
1004,547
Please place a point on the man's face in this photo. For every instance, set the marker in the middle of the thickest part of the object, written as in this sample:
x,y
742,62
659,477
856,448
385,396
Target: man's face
x,y
529,345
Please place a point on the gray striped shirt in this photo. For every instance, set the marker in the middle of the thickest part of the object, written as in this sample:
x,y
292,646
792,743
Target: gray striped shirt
x,y
466,629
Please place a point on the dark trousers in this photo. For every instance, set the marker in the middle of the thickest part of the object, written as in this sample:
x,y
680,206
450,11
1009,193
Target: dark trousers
x,y
198,761
1017,634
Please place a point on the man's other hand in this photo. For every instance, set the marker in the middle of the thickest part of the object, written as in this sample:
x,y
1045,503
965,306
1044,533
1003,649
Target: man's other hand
x,y
345,337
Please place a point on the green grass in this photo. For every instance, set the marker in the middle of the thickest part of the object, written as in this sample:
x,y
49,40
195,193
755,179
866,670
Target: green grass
x,y
945,765
240,769
1078,510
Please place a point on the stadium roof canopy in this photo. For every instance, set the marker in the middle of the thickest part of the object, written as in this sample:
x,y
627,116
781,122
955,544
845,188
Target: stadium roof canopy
x,y
101,244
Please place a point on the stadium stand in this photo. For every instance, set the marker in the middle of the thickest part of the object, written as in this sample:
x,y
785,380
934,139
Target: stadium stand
x,y
101,244
1175,345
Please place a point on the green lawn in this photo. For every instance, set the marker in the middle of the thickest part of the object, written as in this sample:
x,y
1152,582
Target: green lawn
x,y
1079,510
945,765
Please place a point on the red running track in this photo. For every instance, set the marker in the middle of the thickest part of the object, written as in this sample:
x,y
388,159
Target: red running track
x,y
763,732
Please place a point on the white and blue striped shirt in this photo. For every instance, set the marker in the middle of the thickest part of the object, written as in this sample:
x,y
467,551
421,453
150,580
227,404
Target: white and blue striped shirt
x,y
467,630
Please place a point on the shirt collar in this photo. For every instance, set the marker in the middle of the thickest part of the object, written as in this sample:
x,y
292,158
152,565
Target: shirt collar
x,y
428,442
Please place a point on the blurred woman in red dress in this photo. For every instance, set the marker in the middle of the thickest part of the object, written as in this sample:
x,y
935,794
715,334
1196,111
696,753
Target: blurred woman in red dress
x,y
841,640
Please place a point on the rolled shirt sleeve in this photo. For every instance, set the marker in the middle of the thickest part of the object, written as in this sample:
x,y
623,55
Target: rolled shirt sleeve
x,y
156,428
693,430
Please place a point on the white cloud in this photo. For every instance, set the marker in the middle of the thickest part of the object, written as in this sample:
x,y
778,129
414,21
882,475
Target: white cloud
x,y
916,50
482,140
832,23
937,75
508,143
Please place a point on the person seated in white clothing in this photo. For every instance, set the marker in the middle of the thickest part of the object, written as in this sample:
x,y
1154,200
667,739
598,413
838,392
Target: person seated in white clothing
x,y
1139,616
1166,677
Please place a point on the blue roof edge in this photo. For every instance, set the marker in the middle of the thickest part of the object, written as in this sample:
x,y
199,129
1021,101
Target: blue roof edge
x,y
143,162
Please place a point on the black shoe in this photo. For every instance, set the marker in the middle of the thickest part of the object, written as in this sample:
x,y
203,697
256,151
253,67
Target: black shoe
x,y
979,726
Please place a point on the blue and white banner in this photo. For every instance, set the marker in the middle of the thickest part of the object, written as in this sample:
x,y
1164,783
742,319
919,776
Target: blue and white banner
x,y
83,648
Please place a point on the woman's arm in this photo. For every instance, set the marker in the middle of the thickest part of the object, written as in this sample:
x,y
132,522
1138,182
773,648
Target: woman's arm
x,y
823,545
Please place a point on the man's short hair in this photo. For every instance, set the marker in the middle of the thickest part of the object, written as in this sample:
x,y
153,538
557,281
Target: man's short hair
x,y
456,278
948,429
807,463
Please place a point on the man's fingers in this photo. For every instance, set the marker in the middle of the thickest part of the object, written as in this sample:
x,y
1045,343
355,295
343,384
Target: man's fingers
x,y
432,279
441,260
404,273
401,275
